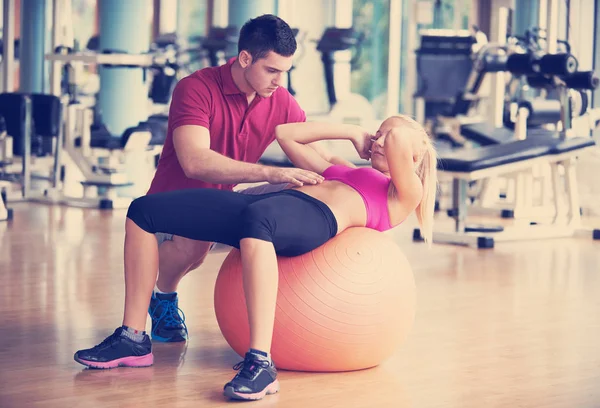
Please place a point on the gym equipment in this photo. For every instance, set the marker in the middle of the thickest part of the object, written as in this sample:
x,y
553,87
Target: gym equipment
x,y
543,119
467,108
554,73
164,77
220,44
334,45
515,158
6,146
464,110
211,50
160,89
98,158
33,129
490,59
297,57
107,58
444,63
96,155
533,71
530,157
519,160
6,214
461,118
347,305
5,160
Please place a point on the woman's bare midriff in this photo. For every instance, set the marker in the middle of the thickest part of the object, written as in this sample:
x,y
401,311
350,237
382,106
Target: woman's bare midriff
x,y
345,202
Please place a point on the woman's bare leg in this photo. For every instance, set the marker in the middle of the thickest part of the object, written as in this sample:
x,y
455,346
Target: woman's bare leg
x,y
261,278
257,376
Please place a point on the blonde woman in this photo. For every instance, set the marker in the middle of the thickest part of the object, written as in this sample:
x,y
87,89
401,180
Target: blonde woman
x,y
401,179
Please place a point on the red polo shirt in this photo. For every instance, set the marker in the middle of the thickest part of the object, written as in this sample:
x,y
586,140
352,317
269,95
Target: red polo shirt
x,y
210,98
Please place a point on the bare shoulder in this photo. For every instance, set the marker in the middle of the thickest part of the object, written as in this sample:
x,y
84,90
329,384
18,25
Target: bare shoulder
x,y
401,205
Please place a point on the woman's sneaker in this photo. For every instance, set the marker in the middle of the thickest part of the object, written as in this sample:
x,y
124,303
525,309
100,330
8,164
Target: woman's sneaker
x,y
255,379
118,350
168,321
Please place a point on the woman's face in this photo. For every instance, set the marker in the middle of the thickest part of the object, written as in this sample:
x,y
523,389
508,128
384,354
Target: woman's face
x,y
378,159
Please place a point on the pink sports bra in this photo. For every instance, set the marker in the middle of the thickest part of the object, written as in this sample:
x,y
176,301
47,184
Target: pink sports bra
x,y
373,187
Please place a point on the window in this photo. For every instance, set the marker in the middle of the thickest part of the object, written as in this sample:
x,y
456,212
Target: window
x,y
369,78
192,19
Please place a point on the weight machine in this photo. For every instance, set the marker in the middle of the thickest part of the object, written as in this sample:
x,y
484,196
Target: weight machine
x,y
533,158
335,45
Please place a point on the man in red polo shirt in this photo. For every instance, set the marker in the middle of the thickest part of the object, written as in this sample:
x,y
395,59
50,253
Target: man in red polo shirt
x,y
221,120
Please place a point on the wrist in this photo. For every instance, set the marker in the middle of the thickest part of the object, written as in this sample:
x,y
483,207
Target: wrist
x,y
355,133
265,172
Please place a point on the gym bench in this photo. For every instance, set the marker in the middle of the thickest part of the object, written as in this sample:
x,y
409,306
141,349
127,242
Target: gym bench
x,y
517,157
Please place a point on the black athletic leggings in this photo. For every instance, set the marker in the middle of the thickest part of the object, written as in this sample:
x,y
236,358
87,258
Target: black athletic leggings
x,y
294,222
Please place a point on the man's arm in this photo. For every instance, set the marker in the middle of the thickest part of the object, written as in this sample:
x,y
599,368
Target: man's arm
x,y
192,145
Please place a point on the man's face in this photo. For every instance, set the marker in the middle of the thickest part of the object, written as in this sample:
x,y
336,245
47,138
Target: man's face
x,y
265,75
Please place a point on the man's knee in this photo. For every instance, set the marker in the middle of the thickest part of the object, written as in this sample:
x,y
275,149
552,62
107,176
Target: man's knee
x,y
186,251
192,249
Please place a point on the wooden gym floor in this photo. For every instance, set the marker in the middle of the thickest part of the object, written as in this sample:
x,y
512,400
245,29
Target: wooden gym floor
x,y
515,326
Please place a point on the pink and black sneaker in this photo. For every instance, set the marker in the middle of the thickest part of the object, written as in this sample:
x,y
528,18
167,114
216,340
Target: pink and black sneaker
x,y
118,350
255,379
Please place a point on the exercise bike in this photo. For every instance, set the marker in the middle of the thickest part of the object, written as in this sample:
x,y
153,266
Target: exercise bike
x,y
335,46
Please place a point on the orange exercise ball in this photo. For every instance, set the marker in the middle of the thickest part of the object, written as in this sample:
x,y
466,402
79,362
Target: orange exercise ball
x,y
346,305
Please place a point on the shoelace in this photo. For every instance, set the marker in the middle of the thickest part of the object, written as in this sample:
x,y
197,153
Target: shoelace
x,y
173,315
249,366
110,340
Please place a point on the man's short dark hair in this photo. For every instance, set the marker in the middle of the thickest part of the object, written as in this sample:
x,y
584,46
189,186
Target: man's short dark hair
x,y
267,33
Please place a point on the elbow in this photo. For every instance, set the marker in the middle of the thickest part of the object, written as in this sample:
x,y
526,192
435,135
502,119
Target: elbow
x,y
284,132
200,173
195,168
411,196
196,165
279,133
191,171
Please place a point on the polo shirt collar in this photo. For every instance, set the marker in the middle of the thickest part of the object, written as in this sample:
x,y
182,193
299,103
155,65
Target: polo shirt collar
x,y
229,87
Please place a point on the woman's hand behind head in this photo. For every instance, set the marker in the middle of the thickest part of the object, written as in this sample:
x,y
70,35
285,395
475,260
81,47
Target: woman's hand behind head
x,y
363,142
